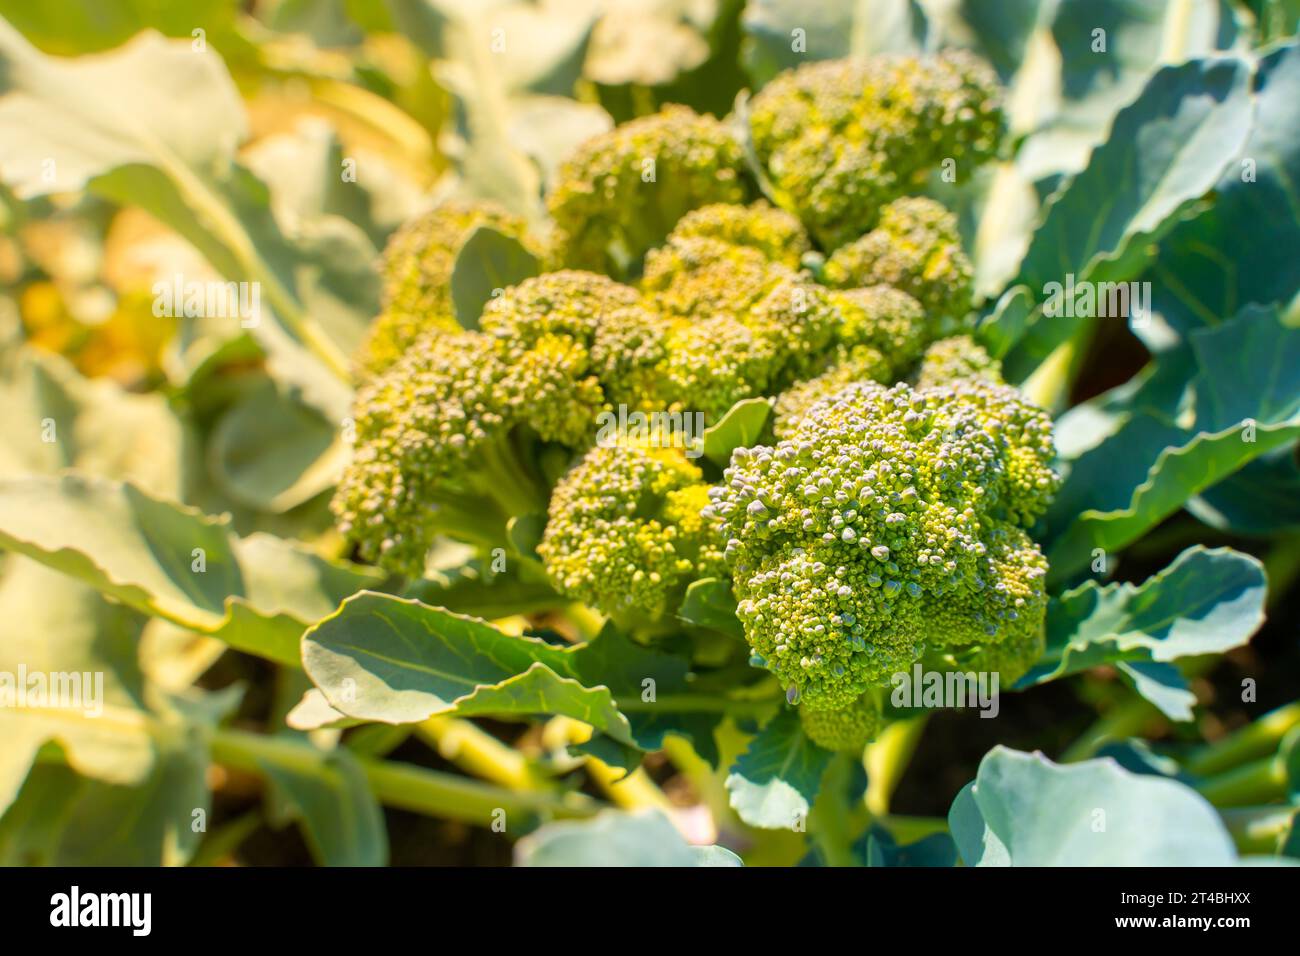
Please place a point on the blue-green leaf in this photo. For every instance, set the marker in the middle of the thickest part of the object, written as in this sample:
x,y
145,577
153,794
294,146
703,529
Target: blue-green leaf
x,y
1024,810
613,838
774,782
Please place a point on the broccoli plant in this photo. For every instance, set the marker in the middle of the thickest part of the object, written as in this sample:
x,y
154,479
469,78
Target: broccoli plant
x,y
770,454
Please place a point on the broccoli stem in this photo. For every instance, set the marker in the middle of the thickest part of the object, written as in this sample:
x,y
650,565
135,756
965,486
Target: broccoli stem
x,y
830,812
887,760
1255,740
1258,829
1260,781
478,752
507,480
399,785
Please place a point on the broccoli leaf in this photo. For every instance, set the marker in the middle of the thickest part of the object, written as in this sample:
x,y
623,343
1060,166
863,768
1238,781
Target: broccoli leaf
x,y
1152,465
1205,602
388,659
488,262
1024,810
709,603
741,427
1202,271
828,31
1166,150
613,838
774,782
340,816
256,593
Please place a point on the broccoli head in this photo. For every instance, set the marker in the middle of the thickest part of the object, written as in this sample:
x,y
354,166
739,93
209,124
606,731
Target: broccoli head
x,y
884,503
916,248
956,358
779,236
625,532
416,276
849,729
740,325
622,191
573,344
880,335
433,454
842,138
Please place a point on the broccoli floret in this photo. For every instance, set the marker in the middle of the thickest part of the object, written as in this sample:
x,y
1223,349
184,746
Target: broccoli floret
x,y
622,191
841,138
847,537
880,335
848,729
740,325
625,532
779,236
956,358
573,344
416,272
433,454
916,248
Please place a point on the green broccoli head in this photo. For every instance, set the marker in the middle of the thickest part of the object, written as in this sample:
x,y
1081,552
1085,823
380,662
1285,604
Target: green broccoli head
x,y
848,729
954,359
625,532
572,344
882,504
432,454
916,247
880,335
416,277
740,325
842,138
779,236
622,191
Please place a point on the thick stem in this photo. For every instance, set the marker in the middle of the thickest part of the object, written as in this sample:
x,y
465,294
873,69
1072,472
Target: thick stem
x,y
1119,723
1260,781
399,785
828,821
887,759
478,752
1258,829
1253,741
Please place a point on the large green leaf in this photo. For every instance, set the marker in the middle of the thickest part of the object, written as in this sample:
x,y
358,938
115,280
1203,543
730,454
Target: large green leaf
x,y
488,262
340,816
1024,810
271,452
614,838
383,658
1203,273
174,562
1151,464
1205,602
774,782
1166,150
58,419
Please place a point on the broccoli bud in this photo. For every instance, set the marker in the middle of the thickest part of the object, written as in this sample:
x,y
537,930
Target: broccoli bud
x,y
915,248
622,191
848,729
842,138
625,533
882,506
